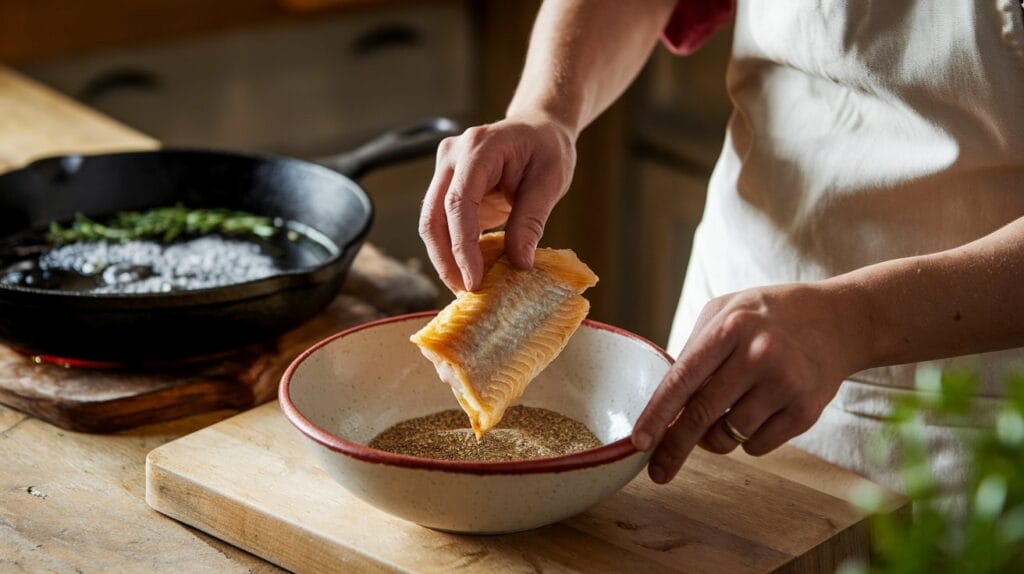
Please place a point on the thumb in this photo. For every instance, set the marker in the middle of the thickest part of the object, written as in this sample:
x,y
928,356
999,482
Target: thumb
x,y
535,198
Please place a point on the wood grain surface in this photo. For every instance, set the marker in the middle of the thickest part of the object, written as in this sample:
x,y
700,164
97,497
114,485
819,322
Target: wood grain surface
x,y
36,122
72,502
720,515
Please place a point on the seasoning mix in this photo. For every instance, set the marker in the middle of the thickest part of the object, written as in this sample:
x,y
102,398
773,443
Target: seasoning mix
x,y
523,433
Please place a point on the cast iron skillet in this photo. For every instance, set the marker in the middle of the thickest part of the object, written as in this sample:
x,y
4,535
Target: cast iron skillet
x,y
145,328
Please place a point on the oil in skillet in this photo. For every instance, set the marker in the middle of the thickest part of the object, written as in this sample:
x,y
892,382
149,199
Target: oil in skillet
x,y
149,266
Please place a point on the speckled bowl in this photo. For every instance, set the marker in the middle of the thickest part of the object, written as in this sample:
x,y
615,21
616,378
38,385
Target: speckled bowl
x,y
349,387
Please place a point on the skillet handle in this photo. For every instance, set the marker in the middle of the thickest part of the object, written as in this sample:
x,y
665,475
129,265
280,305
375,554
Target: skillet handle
x,y
392,147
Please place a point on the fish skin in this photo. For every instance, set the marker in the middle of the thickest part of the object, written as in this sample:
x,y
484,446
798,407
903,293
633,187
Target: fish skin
x,y
490,343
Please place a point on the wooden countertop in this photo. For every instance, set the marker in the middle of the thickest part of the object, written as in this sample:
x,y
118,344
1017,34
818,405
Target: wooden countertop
x,y
75,502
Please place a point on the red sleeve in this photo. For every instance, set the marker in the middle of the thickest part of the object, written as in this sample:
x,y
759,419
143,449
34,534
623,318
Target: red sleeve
x,y
694,22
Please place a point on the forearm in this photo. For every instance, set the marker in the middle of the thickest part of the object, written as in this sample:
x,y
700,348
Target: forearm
x,y
962,301
583,54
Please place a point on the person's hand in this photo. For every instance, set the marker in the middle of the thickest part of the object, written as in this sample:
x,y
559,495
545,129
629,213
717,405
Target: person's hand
x,y
512,171
772,357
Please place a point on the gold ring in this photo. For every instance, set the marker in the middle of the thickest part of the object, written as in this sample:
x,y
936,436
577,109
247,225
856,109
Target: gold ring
x,y
732,432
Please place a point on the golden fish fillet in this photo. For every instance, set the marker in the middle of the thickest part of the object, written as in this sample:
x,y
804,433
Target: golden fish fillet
x,y
490,343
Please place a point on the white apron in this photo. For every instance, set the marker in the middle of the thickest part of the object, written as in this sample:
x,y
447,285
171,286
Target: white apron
x,y
864,131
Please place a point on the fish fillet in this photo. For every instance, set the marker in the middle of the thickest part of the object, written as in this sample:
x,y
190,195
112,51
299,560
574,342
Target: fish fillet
x,y
490,343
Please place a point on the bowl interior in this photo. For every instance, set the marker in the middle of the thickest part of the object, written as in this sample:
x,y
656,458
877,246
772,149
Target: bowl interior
x,y
359,384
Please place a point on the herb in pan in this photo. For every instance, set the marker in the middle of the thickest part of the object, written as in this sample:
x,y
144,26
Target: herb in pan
x,y
163,223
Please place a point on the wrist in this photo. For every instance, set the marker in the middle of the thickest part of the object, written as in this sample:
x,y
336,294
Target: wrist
x,y
855,322
562,118
539,118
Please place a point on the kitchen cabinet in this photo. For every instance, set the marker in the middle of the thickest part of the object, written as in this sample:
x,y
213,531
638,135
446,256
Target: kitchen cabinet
x,y
669,206
33,30
305,88
678,109
397,194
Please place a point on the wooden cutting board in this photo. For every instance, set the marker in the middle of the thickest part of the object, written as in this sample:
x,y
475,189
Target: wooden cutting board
x,y
104,400
250,481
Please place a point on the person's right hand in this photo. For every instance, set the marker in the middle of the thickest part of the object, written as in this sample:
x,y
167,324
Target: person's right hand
x,y
512,172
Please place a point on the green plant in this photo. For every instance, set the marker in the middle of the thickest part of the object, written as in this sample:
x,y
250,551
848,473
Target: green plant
x,y
163,223
983,534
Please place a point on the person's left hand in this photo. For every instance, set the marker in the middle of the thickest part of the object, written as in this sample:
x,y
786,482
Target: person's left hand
x,y
772,357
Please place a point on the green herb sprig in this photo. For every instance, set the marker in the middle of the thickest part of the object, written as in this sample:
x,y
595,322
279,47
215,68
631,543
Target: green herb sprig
x,y
163,223
987,535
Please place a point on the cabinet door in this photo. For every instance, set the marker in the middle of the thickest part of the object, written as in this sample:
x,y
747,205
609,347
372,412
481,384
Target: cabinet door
x,y
397,194
670,202
305,87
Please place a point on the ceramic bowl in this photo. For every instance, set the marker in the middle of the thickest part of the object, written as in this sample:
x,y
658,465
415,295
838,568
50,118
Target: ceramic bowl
x,y
348,388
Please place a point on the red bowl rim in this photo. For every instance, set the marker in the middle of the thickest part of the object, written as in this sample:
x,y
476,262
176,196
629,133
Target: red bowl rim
x,y
604,454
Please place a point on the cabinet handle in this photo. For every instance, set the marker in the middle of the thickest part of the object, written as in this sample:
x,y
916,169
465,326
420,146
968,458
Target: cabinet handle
x,y
386,36
119,79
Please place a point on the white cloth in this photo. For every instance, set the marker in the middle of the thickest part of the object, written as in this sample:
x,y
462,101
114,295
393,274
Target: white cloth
x,y
863,131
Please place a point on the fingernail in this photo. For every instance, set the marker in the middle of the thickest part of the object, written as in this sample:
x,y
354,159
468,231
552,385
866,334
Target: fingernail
x,y
657,474
642,440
